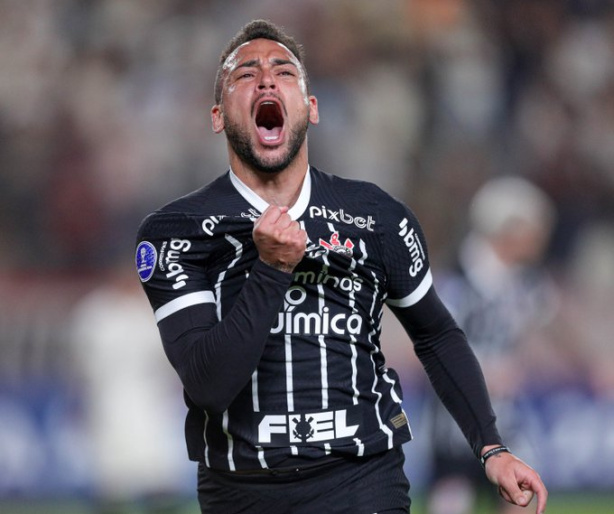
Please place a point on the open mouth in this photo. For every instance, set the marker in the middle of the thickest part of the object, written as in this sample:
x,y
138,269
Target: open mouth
x,y
270,121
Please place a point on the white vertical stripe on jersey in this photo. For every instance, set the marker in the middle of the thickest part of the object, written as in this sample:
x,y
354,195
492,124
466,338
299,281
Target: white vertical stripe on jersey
x,y
321,338
398,400
393,393
261,457
375,349
354,369
361,447
255,399
323,371
322,341
383,427
289,377
205,439
351,305
222,275
411,434
218,289
231,461
256,406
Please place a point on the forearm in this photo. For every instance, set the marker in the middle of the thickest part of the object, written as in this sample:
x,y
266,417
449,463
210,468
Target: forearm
x,y
215,362
458,381
452,369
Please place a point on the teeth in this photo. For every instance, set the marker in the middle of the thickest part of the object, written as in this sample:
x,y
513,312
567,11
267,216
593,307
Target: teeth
x,y
270,138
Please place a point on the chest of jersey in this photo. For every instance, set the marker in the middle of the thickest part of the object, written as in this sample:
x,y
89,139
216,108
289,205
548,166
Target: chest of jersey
x,y
340,269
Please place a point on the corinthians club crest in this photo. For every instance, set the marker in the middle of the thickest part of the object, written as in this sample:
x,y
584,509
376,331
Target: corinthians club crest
x,y
335,245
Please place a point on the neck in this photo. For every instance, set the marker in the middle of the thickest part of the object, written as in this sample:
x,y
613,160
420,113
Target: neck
x,y
282,188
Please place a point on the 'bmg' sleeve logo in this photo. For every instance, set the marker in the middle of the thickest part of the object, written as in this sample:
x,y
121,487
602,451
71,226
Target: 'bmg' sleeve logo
x,y
145,259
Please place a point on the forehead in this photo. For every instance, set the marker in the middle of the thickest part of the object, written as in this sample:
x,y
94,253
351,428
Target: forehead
x,y
260,50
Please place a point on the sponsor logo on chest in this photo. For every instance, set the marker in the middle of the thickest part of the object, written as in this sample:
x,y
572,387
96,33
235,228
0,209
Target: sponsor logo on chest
x,y
294,322
341,216
295,428
209,224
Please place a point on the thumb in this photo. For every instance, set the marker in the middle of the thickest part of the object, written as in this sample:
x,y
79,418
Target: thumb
x,y
524,498
513,494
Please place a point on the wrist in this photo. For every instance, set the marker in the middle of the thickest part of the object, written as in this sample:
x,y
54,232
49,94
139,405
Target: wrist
x,y
491,452
279,266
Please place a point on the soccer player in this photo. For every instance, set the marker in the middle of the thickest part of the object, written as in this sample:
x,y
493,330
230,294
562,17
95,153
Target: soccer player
x,y
268,286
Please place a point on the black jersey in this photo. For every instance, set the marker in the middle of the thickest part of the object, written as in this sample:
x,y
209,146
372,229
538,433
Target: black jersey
x,y
297,370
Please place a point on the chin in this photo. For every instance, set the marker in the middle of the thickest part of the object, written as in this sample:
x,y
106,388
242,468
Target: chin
x,y
273,165
272,168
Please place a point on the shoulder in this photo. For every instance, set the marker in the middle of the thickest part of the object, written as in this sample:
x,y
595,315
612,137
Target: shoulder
x,y
345,199
358,195
346,186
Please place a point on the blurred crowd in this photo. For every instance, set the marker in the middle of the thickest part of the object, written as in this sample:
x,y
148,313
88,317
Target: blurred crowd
x,y
104,116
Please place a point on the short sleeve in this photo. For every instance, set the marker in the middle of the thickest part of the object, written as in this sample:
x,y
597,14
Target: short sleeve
x,y
406,257
170,261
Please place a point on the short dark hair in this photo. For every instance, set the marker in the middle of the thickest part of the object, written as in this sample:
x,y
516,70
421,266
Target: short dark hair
x,y
257,29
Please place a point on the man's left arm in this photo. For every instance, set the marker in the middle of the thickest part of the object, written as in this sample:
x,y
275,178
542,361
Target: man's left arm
x,y
459,382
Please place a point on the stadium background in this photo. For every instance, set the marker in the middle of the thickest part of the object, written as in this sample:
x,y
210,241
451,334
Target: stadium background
x,y
104,115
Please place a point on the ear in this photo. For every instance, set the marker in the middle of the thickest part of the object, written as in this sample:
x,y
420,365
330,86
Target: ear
x,y
217,119
314,115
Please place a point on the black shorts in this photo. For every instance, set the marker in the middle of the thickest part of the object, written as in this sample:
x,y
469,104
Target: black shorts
x,y
375,484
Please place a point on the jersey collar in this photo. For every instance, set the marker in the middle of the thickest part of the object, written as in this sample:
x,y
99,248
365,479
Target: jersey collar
x,y
258,203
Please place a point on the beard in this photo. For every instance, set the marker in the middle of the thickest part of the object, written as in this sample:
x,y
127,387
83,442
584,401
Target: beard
x,y
240,142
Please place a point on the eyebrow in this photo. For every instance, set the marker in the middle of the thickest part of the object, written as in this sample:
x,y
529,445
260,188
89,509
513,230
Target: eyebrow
x,y
281,62
248,64
254,63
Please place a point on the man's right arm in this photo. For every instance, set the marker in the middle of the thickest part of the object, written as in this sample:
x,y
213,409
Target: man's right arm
x,y
215,358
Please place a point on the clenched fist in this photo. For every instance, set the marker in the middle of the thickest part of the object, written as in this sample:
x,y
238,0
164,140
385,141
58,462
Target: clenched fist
x,y
280,240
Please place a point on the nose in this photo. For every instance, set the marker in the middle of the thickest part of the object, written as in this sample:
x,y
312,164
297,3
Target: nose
x,y
267,80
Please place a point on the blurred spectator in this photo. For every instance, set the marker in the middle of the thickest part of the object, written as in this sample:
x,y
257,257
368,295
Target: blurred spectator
x,y
129,393
499,297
